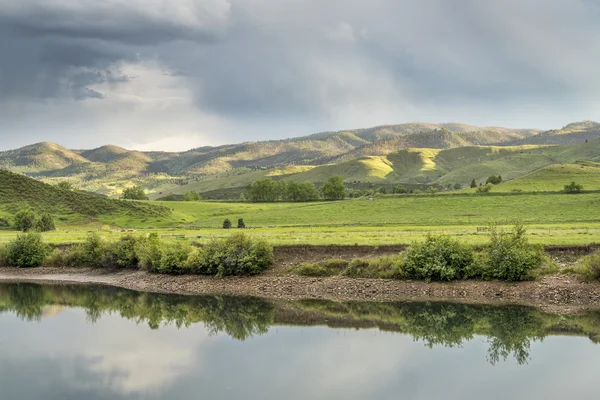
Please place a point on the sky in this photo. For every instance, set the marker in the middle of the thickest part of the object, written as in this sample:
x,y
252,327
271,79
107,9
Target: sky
x,y
173,75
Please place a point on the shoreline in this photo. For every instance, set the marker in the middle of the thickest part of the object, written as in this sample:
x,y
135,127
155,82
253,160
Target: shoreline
x,y
559,293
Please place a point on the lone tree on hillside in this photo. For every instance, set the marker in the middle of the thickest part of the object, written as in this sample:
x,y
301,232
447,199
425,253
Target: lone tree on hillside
x,y
227,224
334,188
473,184
572,188
134,193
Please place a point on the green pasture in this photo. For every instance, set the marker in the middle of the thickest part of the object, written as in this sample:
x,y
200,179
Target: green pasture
x,y
552,219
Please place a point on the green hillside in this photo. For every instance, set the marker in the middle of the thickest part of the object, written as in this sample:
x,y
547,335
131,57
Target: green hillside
x,y
554,178
18,192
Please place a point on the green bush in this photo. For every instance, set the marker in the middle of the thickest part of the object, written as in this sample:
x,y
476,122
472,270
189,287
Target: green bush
x,y
573,188
25,220
149,252
196,260
589,267
323,268
509,256
125,255
3,256
45,223
385,267
174,259
91,252
439,258
27,251
485,188
239,254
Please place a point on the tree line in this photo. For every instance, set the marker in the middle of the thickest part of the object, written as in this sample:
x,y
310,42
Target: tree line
x,y
268,190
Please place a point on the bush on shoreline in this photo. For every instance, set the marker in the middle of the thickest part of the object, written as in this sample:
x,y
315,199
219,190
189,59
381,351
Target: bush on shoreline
x,y
236,255
507,257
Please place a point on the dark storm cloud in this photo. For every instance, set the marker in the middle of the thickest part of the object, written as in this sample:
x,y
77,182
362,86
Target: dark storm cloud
x,y
268,68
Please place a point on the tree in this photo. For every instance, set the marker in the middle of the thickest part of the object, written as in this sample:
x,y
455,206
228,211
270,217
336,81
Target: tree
x,y
400,189
264,190
25,220
45,223
494,180
457,186
573,188
241,224
191,196
227,224
64,185
473,183
242,197
295,191
134,193
334,188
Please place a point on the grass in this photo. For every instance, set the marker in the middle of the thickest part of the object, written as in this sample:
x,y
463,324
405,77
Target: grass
x,y
550,218
554,178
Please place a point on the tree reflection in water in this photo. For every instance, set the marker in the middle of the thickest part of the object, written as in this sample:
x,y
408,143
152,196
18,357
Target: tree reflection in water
x,y
510,330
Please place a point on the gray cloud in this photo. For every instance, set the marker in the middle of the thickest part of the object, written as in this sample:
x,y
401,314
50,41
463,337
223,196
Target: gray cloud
x,y
223,71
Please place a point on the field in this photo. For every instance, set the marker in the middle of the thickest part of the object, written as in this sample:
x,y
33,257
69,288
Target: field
x,y
552,218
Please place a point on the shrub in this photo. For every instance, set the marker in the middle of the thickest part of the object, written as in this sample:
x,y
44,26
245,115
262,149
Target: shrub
x,y
3,256
227,224
494,180
56,259
239,254
27,251
124,253
149,252
385,267
24,220
241,224
174,259
91,252
4,223
439,258
485,188
45,223
589,267
509,256
195,260
573,188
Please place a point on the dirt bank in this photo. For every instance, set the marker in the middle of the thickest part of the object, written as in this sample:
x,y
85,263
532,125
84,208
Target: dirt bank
x,y
555,291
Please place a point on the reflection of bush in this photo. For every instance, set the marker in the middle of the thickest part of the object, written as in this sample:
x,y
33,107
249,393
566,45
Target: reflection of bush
x,y
238,317
509,330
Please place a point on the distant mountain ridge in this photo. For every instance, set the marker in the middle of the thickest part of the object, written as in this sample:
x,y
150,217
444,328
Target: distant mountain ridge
x,y
108,169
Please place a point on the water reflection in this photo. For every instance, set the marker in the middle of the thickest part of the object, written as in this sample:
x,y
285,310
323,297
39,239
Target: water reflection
x,y
509,331
90,342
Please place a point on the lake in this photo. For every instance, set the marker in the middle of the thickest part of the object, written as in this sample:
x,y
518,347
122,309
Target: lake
x,y
93,342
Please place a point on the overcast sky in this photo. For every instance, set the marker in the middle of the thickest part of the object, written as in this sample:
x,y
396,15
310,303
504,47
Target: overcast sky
x,y
159,74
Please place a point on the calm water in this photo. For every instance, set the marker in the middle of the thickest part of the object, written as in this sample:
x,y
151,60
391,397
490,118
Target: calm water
x,y
61,342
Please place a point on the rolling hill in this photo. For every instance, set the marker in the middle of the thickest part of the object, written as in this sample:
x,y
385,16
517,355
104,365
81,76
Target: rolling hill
x,y
417,153
18,192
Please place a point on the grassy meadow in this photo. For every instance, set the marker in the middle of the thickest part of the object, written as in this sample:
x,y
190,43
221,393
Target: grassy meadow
x,y
551,218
